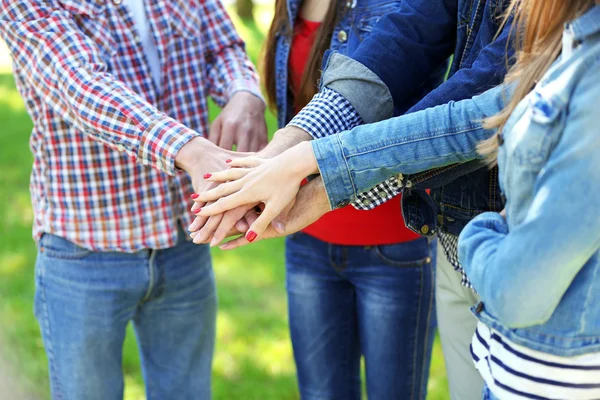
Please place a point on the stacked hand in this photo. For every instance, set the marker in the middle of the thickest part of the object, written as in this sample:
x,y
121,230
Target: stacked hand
x,y
260,197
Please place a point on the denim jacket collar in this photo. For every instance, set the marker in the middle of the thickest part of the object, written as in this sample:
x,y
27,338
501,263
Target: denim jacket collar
x,y
588,24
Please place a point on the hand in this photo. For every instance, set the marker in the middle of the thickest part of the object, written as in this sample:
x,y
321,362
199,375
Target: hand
x,y
235,221
241,122
310,204
273,182
503,213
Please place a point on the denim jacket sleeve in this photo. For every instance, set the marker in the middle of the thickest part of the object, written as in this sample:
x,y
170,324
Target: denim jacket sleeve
x,y
354,161
559,233
487,71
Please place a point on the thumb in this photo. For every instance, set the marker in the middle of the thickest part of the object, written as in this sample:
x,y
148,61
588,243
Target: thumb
x,y
280,222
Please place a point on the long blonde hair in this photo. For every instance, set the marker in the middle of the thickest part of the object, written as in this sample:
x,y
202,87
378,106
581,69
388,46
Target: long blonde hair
x,y
538,26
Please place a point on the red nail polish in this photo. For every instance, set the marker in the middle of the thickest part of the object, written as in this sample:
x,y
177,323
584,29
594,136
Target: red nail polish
x,y
207,176
251,236
195,196
197,211
228,161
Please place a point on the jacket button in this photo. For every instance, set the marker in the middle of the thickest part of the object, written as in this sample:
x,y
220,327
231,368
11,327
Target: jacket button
x,y
480,307
382,194
342,36
366,202
425,229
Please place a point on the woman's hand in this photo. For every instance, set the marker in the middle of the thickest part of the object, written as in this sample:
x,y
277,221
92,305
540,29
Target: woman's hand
x,y
273,182
309,205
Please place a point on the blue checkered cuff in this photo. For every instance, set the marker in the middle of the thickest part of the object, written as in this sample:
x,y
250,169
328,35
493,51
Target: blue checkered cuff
x,y
327,113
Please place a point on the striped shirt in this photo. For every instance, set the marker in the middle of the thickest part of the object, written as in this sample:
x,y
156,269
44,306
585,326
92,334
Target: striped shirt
x,y
105,136
514,372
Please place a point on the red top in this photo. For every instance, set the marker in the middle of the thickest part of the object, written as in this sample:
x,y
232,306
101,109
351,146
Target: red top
x,y
346,226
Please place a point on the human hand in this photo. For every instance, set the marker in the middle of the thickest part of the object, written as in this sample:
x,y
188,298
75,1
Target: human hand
x,y
310,204
273,182
241,122
503,213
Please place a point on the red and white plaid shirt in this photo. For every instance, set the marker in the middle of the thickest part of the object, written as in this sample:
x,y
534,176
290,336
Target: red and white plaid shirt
x,y
104,138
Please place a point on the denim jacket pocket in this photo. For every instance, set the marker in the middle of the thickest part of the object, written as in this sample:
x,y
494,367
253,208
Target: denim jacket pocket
x,y
90,18
56,247
540,121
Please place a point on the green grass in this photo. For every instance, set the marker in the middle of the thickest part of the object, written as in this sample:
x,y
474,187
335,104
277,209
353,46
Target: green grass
x,y
253,358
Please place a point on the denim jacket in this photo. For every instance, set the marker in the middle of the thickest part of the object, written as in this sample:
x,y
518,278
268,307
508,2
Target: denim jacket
x,y
401,54
352,28
538,271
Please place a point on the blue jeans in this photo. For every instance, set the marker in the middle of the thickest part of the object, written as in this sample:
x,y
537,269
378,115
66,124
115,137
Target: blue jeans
x,y
84,301
488,395
348,301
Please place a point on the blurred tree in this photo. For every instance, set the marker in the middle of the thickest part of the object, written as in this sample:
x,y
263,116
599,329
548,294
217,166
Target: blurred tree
x,y
245,9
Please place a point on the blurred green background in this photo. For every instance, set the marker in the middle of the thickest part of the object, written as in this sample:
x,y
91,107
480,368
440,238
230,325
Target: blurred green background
x,y
253,358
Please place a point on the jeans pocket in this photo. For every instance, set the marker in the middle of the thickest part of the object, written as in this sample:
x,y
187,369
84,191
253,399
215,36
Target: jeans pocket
x,y
412,254
53,246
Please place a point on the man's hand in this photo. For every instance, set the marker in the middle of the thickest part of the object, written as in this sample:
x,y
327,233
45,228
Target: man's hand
x,y
241,122
310,204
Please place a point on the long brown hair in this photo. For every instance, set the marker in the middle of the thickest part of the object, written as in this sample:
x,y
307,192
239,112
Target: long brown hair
x,y
538,26
312,72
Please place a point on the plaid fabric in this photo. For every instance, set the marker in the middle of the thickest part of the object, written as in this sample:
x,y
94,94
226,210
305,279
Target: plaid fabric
x,y
100,123
327,114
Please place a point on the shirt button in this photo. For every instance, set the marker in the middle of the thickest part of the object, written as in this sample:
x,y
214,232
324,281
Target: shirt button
x,y
342,36
366,202
382,194
425,229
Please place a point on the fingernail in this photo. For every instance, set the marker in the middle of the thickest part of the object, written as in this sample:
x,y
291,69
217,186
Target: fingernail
x,y
280,227
195,196
224,246
228,161
197,211
251,236
207,176
214,242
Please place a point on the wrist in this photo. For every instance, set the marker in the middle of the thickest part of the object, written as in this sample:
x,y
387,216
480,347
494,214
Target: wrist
x,y
283,140
304,160
191,154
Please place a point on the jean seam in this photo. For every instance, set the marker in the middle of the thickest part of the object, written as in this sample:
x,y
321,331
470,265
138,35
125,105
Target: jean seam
x,y
48,334
428,319
416,340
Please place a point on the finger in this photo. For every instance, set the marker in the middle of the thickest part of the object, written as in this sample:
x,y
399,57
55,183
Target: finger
x,y
262,222
229,202
224,189
215,131
232,174
227,137
244,142
230,218
205,234
247,162
242,226
197,224
279,223
235,243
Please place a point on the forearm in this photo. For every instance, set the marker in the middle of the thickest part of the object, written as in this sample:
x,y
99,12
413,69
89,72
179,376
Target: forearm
x,y
79,88
284,139
355,161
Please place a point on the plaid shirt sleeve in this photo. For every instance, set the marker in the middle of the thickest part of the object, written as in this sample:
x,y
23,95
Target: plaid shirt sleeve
x,y
228,68
66,68
329,113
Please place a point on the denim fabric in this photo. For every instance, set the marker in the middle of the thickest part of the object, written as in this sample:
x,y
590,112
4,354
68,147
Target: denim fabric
x,y
84,301
345,301
351,30
537,270
488,395
418,36
354,161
